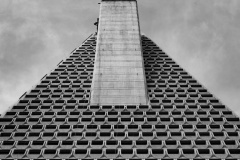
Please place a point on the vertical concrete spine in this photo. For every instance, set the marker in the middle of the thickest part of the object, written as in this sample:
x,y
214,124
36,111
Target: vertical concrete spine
x,y
118,71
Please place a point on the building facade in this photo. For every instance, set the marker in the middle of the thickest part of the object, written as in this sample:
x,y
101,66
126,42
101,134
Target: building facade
x,y
119,96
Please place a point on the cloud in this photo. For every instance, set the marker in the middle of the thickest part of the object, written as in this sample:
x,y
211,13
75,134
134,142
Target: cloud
x,y
34,37
203,37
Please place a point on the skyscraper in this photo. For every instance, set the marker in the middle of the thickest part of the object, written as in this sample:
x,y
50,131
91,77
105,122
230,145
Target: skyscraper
x,y
119,96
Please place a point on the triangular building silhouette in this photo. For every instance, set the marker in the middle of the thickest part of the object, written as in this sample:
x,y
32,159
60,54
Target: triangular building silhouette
x,y
119,96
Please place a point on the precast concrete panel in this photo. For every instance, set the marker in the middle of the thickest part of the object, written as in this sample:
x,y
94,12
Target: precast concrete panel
x,y
119,76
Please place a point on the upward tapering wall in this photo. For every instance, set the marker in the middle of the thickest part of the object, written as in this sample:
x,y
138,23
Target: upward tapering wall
x,y
118,71
182,121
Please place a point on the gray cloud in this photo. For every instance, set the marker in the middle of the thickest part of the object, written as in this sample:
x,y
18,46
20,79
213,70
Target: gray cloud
x,y
34,37
202,36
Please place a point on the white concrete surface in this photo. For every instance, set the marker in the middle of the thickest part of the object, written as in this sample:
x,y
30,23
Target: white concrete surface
x,y
118,70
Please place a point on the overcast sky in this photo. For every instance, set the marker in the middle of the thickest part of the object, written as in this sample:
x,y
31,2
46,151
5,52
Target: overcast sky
x,y
202,36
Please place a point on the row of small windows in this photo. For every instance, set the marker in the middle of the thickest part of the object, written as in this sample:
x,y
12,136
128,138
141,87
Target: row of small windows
x,y
81,65
81,55
56,102
66,74
162,66
88,48
156,61
121,153
159,100
83,61
188,129
47,82
59,111
161,71
83,52
118,135
180,93
125,121
44,93
174,86
51,99
49,91
69,72
212,109
68,82
70,97
179,100
84,76
127,144
64,86
158,58
168,77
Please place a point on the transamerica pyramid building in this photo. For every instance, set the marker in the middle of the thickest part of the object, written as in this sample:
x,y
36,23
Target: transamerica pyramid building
x,y
119,96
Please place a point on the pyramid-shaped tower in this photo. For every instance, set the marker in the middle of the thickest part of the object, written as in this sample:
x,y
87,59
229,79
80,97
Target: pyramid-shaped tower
x,y
119,96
